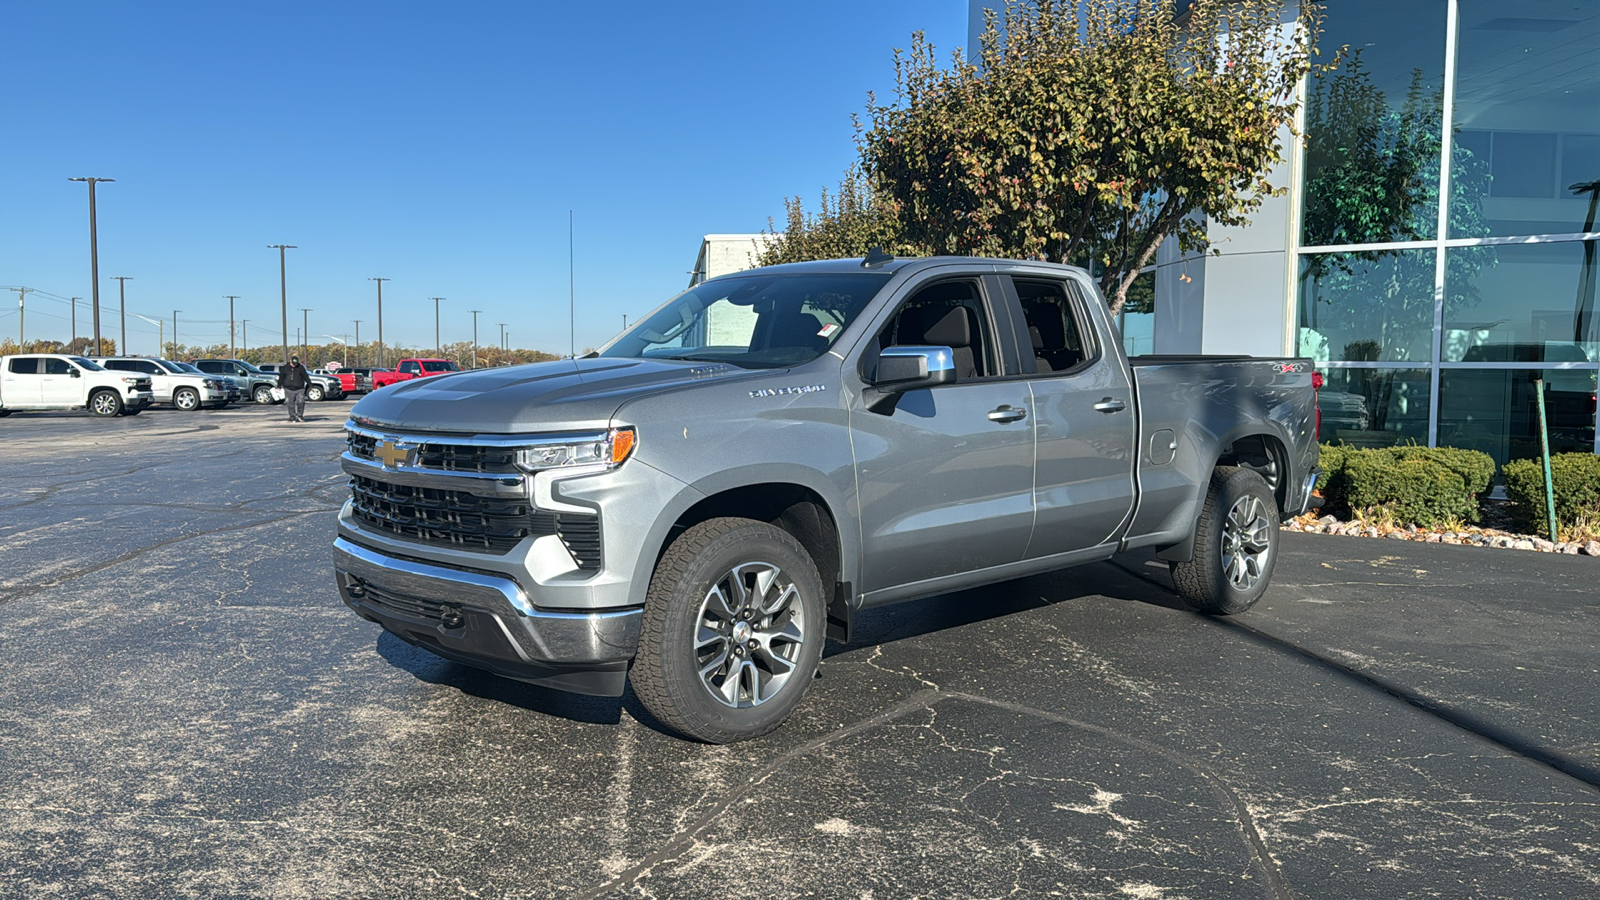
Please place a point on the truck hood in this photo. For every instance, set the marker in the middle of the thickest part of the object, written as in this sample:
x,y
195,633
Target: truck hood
x,y
565,395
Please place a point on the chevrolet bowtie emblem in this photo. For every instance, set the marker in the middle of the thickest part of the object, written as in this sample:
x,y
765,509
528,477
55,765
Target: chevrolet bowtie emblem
x,y
394,454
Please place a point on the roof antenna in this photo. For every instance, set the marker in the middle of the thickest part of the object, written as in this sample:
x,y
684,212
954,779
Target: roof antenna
x,y
875,258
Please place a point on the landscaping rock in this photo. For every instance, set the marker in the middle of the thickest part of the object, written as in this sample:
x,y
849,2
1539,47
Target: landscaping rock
x,y
1396,536
1543,546
1591,548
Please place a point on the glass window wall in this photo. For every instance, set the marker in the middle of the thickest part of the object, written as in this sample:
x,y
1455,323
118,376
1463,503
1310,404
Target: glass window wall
x,y
1374,125
1374,407
1367,306
1526,119
1522,303
1496,411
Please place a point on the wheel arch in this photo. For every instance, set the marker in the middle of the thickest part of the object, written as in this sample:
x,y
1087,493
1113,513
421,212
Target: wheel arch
x,y
800,510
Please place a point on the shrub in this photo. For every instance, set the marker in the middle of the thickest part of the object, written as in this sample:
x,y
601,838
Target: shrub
x,y
1405,483
1576,477
1416,489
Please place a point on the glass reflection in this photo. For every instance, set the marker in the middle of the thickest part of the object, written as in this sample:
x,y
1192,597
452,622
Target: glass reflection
x,y
1374,125
1374,407
1369,306
1138,318
1527,135
1522,303
1496,411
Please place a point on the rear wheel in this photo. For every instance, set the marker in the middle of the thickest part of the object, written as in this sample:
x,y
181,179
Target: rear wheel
x,y
733,631
186,399
105,403
1235,545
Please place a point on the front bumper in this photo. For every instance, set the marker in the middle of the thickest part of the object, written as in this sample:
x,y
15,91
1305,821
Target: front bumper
x,y
487,620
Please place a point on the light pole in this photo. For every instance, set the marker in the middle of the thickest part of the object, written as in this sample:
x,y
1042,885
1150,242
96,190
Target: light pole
x,y
74,320
283,294
231,298
475,337
502,336
161,333
244,334
94,260
305,333
380,282
358,340
438,348
122,308
175,331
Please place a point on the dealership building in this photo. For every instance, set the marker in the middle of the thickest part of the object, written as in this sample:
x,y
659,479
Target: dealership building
x,y
1436,250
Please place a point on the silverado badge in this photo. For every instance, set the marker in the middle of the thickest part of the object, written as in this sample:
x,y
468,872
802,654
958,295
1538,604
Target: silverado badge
x,y
394,454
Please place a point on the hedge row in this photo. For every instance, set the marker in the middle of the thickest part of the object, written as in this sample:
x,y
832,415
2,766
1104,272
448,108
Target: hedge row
x,y
1428,486
1576,477
1425,486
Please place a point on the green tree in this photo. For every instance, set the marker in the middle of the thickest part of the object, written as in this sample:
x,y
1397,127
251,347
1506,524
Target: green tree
x,y
1085,132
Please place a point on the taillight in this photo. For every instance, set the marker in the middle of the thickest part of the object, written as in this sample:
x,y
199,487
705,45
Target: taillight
x,y
1316,385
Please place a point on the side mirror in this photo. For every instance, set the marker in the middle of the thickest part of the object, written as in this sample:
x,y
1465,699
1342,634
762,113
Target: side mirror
x,y
909,368
74,373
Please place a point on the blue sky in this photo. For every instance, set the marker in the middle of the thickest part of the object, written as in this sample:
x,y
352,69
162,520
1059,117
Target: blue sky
x,y
440,145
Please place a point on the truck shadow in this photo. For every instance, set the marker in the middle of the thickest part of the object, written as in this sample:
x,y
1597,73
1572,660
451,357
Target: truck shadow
x,y
1113,580
437,670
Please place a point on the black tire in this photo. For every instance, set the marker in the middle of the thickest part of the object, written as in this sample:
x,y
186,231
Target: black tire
x,y
186,399
4,413
105,404
314,392
261,394
1235,545
721,671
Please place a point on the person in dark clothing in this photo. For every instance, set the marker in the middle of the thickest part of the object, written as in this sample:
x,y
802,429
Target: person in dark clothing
x,y
293,379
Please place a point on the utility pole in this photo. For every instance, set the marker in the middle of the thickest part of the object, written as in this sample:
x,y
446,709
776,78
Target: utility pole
x,y
244,334
74,319
174,334
305,333
438,348
122,310
380,282
94,261
475,337
21,313
231,298
283,294
358,341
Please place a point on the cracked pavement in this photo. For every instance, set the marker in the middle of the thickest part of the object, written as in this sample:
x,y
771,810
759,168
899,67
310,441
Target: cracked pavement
x,y
191,712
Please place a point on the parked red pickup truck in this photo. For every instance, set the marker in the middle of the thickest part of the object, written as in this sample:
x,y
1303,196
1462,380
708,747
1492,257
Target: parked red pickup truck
x,y
407,369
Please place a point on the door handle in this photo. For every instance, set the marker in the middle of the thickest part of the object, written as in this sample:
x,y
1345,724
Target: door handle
x,y
1006,413
1111,405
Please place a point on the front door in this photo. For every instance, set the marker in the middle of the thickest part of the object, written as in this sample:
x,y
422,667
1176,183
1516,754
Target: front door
x,y
945,479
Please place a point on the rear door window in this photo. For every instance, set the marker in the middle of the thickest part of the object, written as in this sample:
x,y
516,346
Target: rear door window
x,y
1056,325
24,366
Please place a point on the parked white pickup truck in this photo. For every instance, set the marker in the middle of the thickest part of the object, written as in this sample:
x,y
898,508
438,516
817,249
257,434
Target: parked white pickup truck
x,y
41,381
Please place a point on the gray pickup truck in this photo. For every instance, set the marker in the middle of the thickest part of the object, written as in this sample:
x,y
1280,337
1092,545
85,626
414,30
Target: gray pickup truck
x,y
723,487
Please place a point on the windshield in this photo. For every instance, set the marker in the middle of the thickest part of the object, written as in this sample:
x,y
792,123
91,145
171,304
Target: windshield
x,y
86,364
442,366
170,366
754,321
188,368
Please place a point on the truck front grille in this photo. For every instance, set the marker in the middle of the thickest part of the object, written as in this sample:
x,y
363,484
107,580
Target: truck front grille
x,y
445,457
448,518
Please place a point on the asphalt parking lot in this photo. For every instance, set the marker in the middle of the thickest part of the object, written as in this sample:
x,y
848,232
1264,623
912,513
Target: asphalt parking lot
x,y
191,712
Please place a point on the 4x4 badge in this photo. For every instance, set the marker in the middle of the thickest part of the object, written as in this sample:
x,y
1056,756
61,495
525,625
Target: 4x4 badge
x,y
394,454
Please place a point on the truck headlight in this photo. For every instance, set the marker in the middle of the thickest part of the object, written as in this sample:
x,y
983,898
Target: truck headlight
x,y
609,451
127,380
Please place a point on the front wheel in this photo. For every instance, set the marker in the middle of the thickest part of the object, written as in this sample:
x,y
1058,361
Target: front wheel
x,y
262,394
105,403
1235,545
186,399
733,631
314,393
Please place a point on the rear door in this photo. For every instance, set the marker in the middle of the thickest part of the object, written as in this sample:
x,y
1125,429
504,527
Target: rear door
x,y
946,478
1083,412
61,383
